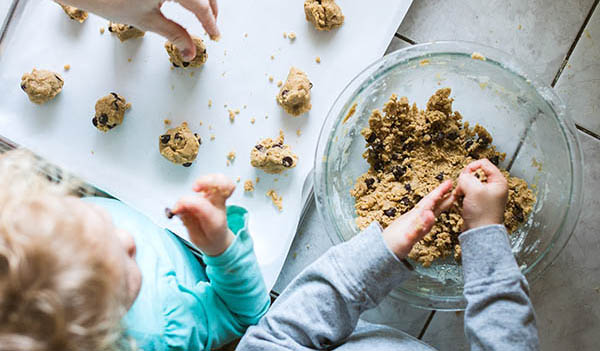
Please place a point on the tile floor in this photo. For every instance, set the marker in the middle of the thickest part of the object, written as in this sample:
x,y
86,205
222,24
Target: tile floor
x,y
560,40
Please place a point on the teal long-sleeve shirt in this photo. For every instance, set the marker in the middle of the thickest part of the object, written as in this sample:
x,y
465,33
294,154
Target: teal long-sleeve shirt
x,y
182,305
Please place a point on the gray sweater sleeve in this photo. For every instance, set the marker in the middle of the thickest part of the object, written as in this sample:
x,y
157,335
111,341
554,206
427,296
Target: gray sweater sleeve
x,y
499,314
320,308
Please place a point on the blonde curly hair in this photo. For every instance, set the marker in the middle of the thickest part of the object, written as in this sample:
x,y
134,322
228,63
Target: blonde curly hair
x,y
59,289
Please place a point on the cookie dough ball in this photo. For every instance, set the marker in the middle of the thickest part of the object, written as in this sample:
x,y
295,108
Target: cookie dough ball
x,y
323,14
177,60
294,95
273,156
125,31
41,85
110,111
74,13
179,145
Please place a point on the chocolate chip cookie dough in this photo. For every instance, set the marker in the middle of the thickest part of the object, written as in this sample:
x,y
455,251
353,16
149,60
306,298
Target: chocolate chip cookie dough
x,y
125,31
323,14
110,111
411,152
273,156
294,95
179,145
41,85
177,60
74,13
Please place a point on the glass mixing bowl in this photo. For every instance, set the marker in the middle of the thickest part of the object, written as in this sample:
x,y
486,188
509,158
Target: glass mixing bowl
x,y
526,118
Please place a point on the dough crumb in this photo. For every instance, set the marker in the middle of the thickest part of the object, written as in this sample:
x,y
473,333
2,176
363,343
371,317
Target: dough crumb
x,y
424,62
231,115
292,36
252,120
519,27
209,103
298,132
245,107
276,199
238,179
284,35
477,56
102,30
279,84
200,122
257,180
248,186
74,13
272,57
318,59
129,59
271,79
245,35
212,137
67,67
125,31
167,122
350,113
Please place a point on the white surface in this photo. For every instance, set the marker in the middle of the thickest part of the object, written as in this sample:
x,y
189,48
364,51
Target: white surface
x,y
4,7
125,161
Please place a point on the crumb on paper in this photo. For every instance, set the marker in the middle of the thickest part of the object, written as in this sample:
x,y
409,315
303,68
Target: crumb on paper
x,y
318,59
201,123
252,120
292,36
245,35
67,67
224,52
129,59
266,116
238,179
535,163
276,199
92,151
248,186
272,57
350,113
276,179
245,107
477,56
237,111
225,105
212,137
279,84
270,79
307,246
294,255
424,62
519,27
483,85
230,157
284,35
231,115
102,30
167,121
209,103
209,127
192,73
587,34
298,132
257,180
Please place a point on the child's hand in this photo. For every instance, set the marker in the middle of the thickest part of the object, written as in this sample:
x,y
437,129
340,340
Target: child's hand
x,y
483,202
205,215
404,232
146,15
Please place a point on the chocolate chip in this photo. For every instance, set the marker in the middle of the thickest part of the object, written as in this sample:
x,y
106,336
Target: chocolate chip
x,y
111,126
187,164
23,86
130,27
278,145
398,172
452,135
95,121
259,147
174,64
468,144
495,160
203,51
115,95
390,212
408,146
407,187
287,161
311,85
169,213
178,136
103,119
198,138
519,213
165,138
284,93
110,29
439,136
440,176
369,182
116,105
371,137
57,77
418,198
185,64
378,165
405,201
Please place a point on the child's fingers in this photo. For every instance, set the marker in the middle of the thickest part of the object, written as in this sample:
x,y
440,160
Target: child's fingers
x,y
173,31
194,208
214,7
492,172
216,187
445,204
432,199
204,13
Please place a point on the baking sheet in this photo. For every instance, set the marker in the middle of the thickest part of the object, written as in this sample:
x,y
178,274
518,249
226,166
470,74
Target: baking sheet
x,y
125,161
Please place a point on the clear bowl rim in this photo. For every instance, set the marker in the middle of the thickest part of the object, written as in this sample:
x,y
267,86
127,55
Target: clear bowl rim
x,y
506,61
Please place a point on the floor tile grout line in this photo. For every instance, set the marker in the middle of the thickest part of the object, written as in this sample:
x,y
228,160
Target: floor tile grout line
x,y
574,44
406,39
588,132
426,325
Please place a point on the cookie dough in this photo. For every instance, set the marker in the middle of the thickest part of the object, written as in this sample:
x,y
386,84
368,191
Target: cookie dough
x,y
294,95
273,156
110,111
410,152
179,145
74,13
248,186
323,14
41,85
177,60
125,31
276,199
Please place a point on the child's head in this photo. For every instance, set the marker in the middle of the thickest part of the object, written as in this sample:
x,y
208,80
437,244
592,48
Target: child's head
x,y
67,275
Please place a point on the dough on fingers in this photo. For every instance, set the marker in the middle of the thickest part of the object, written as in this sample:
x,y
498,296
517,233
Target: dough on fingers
x,y
177,60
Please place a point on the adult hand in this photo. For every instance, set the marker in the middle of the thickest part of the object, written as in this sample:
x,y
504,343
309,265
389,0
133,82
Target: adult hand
x,y
484,202
146,15
205,215
407,230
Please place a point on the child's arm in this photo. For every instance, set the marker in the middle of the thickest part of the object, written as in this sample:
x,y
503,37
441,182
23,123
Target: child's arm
x,y
236,296
499,314
321,307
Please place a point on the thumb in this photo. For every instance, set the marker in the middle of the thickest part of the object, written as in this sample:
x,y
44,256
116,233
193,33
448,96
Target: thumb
x,y
174,32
